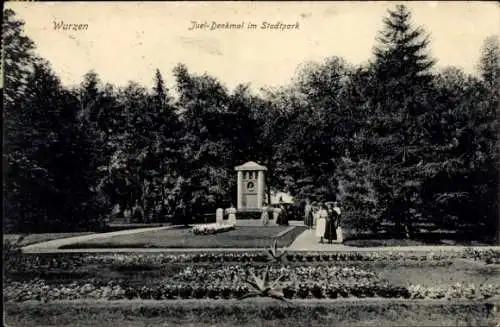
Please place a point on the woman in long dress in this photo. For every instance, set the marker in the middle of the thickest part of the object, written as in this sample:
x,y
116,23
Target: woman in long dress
x,y
321,222
338,229
330,223
314,209
231,212
283,216
308,214
264,217
276,215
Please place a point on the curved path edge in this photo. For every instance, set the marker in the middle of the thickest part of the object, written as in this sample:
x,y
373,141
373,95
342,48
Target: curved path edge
x,y
53,245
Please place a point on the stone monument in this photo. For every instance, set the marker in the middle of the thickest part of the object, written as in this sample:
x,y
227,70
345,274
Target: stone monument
x,y
251,186
219,216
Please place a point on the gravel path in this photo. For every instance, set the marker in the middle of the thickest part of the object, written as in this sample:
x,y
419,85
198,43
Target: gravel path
x,y
52,246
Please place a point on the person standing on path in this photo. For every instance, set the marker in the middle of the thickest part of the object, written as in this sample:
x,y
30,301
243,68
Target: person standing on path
x,y
315,210
337,213
308,214
330,223
231,212
284,215
321,223
264,217
276,214
180,214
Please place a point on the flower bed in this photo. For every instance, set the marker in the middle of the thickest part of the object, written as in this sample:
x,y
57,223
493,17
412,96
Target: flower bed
x,y
298,274
258,256
457,291
207,229
197,281
65,261
40,291
40,265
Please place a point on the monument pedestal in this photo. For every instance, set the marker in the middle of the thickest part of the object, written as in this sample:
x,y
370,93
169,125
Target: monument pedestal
x,y
250,187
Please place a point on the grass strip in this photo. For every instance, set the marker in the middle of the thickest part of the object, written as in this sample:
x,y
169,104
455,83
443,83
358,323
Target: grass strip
x,y
253,312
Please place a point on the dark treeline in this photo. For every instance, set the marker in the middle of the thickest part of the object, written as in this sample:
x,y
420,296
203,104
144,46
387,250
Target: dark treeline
x,y
393,139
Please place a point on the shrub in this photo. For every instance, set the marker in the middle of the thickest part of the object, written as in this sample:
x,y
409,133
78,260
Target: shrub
x,y
489,256
12,252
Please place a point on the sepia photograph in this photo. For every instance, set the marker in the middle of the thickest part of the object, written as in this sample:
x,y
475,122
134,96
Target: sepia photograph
x,y
251,163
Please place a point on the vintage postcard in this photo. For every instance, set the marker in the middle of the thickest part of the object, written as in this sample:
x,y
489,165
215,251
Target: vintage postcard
x,y
251,163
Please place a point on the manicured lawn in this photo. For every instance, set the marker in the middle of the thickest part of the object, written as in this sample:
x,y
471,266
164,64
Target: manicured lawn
x,y
407,242
240,237
37,238
421,238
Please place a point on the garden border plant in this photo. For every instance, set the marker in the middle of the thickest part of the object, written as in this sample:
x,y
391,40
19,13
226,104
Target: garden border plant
x,y
262,287
274,252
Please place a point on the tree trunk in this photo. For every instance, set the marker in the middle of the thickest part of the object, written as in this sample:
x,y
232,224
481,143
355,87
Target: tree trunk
x,y
407,229
144,189
498,224
268,186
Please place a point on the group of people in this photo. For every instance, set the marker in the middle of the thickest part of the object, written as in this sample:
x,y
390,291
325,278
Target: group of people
x,y
227,215
277,214
325,219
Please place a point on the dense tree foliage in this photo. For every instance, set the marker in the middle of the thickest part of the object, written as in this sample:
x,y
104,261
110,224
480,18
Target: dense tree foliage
x,y
394,140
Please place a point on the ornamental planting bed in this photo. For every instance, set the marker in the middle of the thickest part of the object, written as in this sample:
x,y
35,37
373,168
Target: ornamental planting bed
x,y
207,229
69,260
342,289
450,275
313,282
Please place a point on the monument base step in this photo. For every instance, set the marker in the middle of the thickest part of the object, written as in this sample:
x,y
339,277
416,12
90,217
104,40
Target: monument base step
x,y
244,215
253,222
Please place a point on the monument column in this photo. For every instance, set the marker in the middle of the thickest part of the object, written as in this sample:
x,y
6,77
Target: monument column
x,y
250,186
239,203
260,189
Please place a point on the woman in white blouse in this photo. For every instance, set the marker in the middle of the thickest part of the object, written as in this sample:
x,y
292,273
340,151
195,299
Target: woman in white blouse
x,y
231,212
265,216
321,222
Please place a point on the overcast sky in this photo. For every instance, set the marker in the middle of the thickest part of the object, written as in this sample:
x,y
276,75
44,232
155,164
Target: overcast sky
x,y
129,40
